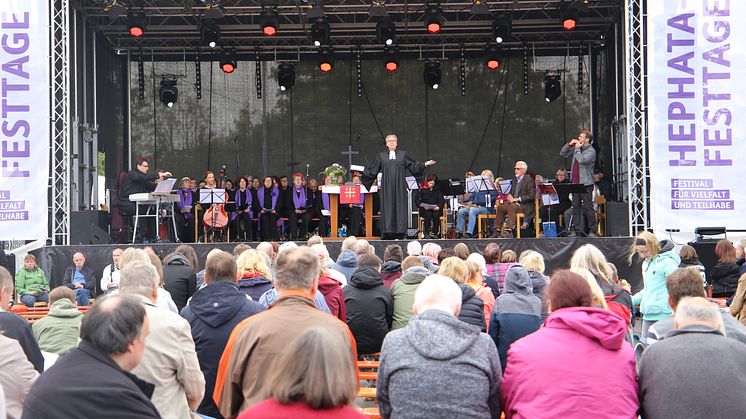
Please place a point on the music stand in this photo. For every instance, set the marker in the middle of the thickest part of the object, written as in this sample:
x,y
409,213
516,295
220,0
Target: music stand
x,y
566,189
212,196
450,187
484,184
412,183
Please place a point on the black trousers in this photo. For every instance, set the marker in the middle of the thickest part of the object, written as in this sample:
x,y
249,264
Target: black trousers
x,y
268,226
584,202
185,226
354,221
430,222
295,232
242,227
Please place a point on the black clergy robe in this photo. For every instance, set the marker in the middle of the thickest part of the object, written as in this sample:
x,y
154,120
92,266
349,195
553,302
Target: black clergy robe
x,y
393,192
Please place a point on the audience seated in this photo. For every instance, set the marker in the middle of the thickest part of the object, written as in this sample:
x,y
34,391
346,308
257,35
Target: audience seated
x,y
534,263
461,251
430,250
110,276
438,366
313,379
239,248
212,313
17,375
472,307
689,257
369,305
331,289
256,342
268,250
15,327
724,275
170,360
508,258
201,274
488,280
576,366
475,280
322,251
617,298
347,259
696,372
517,312
403,289
179,270
391,269
738,304
58,331
685,283
164,297
94,380
31,283
414,248
81,279
255,277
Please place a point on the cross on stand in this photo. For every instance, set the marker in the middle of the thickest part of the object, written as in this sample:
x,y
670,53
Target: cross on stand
x,y
349,153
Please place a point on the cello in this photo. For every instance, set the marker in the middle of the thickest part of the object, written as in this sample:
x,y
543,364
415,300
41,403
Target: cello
x,y
216,217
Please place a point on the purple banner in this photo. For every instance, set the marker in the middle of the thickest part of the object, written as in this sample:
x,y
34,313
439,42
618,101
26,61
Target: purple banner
x,y
700,193
702,205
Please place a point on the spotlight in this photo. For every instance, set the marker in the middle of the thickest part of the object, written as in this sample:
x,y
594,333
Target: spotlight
x,y
316,11
136,24
168,92
378,9
552,87
432,74
320,32
569,17
268,22
391,62
210,34
433,19
480,7
228,61
386,31
502,27
492,56
286,76
326,64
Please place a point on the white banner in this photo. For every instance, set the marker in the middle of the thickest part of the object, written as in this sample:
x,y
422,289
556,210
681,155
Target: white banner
x,y
24,119
696,113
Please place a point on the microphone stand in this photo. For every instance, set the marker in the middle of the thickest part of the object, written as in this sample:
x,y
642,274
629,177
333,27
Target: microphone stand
x,y
238,162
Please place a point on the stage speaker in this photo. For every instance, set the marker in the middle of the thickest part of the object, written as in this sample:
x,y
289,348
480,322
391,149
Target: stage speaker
x,y
617,219
89,227
706,251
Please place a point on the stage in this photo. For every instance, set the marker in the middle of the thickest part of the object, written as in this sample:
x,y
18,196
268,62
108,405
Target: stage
x,y
556,252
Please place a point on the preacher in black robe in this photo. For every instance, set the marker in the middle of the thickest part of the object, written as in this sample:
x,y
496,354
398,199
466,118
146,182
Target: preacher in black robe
x,y
394,165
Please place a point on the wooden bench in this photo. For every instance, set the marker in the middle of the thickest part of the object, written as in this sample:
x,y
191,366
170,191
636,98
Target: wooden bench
x,y
367,392
371,412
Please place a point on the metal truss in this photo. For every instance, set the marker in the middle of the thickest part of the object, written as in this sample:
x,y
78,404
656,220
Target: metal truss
x,y
637,133
60,126
173,25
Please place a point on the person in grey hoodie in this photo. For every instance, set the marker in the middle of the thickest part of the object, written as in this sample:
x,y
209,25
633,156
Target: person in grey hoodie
x,y
438,366
403,289
346,263
517,311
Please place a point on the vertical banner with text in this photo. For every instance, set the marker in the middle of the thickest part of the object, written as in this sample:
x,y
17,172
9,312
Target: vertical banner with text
x,y
24,119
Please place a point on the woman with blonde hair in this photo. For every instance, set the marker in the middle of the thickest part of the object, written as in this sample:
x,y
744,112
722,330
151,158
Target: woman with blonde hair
x,y
590,258
314,378
657,263
598,296
472,306
534,263
476,281
255,277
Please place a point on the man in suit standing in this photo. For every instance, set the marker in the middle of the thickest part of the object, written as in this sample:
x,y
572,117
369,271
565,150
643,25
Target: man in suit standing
x,y
520,199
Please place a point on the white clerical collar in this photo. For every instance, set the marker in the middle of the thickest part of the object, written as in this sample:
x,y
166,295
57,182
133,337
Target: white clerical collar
x,y
392,155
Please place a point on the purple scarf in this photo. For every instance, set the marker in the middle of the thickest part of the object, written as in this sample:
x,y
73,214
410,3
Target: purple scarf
x,y
245,201
325,200
299,200
260,195
185,200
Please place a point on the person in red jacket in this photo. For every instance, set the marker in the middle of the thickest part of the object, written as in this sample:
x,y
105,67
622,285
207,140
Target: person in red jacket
x,y
333,294
313,378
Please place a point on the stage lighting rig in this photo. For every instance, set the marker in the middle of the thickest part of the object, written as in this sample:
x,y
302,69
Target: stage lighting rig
x,y
136,24
210,33
392,64
432,74
378,9
502,27
228,61
552,87
269,22
321,32
326,63
568,17
492,56
480,7
433,19
386,31
286,76
168,92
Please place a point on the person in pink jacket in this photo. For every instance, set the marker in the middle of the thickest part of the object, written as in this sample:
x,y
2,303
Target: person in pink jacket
x,y
576,366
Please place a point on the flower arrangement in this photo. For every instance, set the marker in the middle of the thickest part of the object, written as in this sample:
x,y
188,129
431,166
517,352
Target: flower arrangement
x,y
334,171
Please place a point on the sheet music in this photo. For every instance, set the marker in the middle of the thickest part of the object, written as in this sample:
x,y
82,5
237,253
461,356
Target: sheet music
x,y
412,183
165,186
505,186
